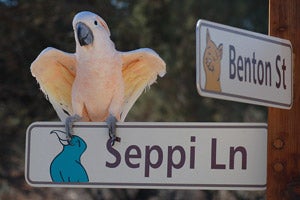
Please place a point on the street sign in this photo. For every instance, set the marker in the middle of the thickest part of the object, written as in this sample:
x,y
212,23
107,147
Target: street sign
x,y
239,65
150,155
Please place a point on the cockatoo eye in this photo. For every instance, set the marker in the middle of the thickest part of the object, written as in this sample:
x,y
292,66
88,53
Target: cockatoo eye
x,y
95,22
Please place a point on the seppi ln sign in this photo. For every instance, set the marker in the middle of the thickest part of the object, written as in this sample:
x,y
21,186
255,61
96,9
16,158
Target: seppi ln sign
x,y
150,155
240,65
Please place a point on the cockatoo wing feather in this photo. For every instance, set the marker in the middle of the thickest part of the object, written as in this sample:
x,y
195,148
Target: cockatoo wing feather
x,y
140,69
55,72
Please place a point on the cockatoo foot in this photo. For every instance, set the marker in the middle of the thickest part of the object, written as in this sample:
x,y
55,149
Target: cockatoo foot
x,y
111,123
69,125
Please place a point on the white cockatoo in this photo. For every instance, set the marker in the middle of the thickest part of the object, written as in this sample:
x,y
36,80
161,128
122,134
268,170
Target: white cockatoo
x,y
97,82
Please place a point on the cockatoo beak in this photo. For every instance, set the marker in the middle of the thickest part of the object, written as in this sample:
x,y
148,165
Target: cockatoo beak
x,y
84,34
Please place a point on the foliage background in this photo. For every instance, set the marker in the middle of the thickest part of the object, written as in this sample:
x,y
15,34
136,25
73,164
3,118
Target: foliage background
x,y
167,26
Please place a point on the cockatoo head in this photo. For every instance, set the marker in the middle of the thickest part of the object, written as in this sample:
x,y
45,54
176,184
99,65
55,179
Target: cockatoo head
x,y
90,29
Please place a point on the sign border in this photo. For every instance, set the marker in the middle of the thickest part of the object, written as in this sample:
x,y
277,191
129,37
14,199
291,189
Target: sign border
x,y
140,185
235,97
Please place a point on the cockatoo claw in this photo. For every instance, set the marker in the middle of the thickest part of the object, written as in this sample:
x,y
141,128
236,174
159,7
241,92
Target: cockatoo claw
x,y
69,125
111,123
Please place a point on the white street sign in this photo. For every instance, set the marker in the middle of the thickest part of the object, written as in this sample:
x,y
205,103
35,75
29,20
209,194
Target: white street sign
x,y
150,155
239,65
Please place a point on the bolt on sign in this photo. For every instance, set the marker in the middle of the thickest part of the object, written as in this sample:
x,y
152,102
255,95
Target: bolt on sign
x,y
239,65
150,155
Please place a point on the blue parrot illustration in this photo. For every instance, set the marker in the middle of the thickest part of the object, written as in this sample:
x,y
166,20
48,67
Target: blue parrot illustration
x,y
66,166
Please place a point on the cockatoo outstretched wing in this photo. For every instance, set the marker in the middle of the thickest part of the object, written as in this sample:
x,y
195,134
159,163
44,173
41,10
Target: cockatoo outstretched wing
x,y
140,69
55,71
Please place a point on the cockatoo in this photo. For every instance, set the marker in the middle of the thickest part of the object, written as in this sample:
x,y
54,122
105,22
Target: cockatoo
x,y
97,82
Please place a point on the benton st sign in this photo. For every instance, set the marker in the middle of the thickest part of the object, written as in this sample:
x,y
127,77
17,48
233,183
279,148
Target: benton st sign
x,y
240,65
149,155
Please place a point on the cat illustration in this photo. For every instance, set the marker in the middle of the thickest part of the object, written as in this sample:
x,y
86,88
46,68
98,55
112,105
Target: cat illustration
x,y
212,64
